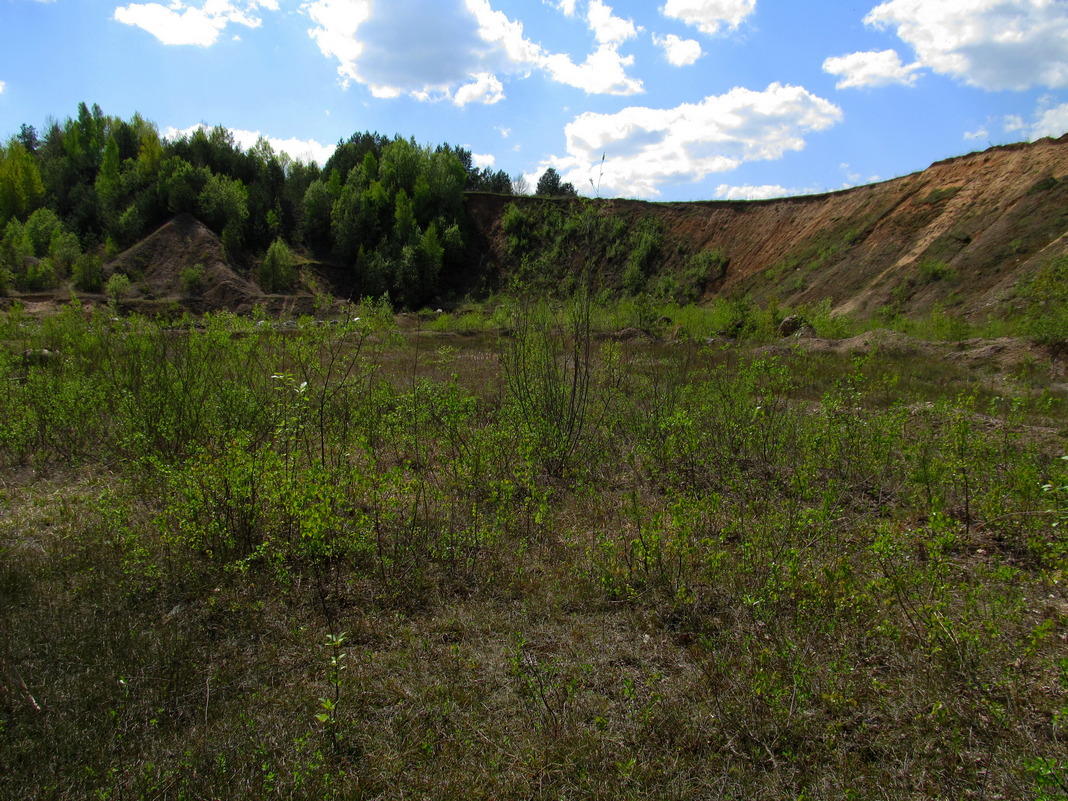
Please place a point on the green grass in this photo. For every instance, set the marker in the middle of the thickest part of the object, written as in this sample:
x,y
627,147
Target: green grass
x,y
335,561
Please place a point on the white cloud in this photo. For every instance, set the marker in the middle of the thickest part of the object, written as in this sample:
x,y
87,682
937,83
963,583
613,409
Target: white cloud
x,y
460,50
708,16
647,148
870,69
484,161
679,52
182,23
1014,123
603,71
2,85
727,192
486,88
607,28
991,44
1048,121
979,133
568,7
1052,122
303,149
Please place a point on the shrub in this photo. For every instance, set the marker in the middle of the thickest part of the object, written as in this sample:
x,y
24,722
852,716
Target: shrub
x,y
646,241
931,271
1045,317
192,278
118,287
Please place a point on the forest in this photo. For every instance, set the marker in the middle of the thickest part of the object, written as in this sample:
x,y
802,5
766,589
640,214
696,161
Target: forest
x,y
86,188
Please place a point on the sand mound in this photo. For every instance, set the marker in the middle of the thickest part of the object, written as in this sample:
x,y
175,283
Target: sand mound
x,y
158,267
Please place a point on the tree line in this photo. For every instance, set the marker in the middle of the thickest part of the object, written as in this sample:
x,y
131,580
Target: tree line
x,y
388,209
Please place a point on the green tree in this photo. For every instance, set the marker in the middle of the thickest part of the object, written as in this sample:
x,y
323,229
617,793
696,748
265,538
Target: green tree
x,y
404,225
149,154
108,180
63,249
315,211
180,184
223,206
278,268
40,228
552,185
15,246
88,273
21,188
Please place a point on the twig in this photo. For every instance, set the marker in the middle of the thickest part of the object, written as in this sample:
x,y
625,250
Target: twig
x,y
25,689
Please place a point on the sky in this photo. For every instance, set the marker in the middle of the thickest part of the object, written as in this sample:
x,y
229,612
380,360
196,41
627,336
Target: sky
x,y
669,100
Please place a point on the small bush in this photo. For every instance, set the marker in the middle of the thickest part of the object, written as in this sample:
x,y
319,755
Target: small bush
x,y
931,271
646,241
118,287
1045,297
192,278
938,195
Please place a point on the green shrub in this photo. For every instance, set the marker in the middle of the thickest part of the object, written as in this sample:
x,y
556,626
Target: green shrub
x,y
1045,298
645,242
931,271
192,278
705,267
118,287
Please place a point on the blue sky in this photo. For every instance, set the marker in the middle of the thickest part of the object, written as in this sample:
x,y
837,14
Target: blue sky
x,y
683,99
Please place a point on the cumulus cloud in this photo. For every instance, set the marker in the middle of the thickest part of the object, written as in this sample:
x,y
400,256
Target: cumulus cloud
x,y
303,149
1051,122
486,88
2,85
991,44
603,71
679,52
979,133
710,16
647,148
460,51
606,26
483,161
870,69
182,23
727,192
1048,121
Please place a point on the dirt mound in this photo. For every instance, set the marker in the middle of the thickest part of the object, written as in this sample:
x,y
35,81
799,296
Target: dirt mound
x,y
184,261
1005,355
